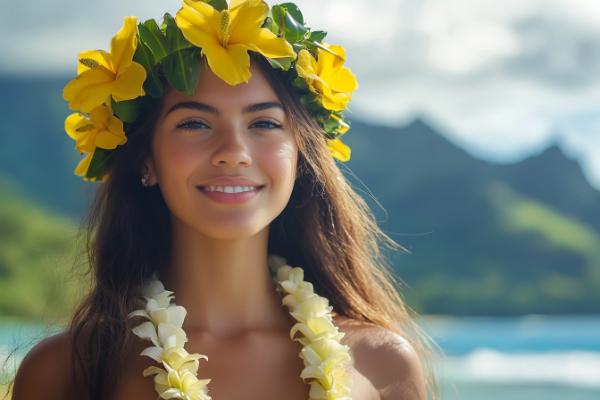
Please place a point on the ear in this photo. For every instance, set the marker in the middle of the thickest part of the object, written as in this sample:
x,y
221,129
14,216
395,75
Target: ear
x,y
150,168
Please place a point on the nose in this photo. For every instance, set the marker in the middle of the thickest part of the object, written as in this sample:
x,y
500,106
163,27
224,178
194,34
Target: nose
x,y
232,149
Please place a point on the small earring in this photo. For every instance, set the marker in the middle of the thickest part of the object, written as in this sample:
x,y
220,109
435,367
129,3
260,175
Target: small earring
x,y
145,178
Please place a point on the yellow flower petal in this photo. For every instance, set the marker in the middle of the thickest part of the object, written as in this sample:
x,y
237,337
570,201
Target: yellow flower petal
x,y
109,140
338,149
84,164
233,4
232,65
332,59
246,17
343,80
100,57
335,101
88,90
129,84
198,16
123,44
76,124
305,65
269,45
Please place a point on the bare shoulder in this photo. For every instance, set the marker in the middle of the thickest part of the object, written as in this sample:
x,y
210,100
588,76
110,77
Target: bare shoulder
x,y
385,358
45,370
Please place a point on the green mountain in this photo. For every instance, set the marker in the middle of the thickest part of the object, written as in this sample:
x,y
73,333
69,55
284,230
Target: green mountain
x,y
484,238
38,276
34,149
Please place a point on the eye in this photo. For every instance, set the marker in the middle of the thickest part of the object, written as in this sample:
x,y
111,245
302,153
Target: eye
x,y
191,125
267,124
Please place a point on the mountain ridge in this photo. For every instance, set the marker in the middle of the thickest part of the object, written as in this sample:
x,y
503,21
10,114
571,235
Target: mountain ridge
x,y
484,237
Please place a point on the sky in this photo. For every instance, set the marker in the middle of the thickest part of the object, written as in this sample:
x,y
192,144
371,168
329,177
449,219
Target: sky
x,y
503,80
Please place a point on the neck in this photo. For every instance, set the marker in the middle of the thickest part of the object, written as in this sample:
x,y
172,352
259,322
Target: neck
x,y
225,285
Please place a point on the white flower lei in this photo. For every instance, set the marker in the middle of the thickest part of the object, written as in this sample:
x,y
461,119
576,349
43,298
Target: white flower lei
x,y
326,360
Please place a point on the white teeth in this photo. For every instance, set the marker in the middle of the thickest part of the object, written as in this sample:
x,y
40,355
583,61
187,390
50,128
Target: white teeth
x,y
229,189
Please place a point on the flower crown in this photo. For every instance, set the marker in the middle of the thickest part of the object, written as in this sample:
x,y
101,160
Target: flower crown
x,y
113,88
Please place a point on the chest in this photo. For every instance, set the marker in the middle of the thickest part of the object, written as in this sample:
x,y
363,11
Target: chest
x,y
240,370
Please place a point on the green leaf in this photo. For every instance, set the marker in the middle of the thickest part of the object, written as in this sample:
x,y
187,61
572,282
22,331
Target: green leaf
x,y
126,111
277,15
129,110
312,103
299,46
269,24
217,4
299,83
281,63
293,30
152,36
175,39
294,11
182,69
99,164
331,126
152,85
182,65
317,36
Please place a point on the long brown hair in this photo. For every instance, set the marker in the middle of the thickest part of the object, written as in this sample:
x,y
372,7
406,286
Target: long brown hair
x,y
326,227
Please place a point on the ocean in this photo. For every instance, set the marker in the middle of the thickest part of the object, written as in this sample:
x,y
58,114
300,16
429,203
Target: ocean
x,y
485,358
525,358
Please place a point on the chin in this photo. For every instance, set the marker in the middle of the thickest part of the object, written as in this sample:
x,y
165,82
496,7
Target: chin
x,y
232,231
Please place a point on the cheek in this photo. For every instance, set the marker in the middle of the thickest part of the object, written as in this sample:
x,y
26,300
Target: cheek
x,y
282,161
174,158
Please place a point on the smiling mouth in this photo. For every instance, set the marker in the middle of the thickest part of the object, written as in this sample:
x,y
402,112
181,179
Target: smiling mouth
x,y
231,195
229,189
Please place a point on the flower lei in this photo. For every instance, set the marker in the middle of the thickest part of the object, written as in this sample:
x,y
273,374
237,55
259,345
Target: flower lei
x,y
112,89
326,360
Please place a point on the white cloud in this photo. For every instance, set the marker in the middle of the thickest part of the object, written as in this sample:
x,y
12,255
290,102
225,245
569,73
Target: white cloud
x,y
502,78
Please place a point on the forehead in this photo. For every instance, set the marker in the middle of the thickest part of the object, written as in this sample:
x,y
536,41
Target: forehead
x,y
214,91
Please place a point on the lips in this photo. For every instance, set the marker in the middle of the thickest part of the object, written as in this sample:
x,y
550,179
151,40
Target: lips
x,y
230,181
228,197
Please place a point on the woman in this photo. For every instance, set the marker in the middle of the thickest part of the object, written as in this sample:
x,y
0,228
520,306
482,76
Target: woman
x,y
215,192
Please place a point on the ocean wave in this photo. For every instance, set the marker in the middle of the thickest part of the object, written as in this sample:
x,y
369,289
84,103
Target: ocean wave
x,y
574,368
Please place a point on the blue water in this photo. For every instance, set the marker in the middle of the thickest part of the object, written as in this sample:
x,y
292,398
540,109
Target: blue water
x,y
527,358
485,358
533,333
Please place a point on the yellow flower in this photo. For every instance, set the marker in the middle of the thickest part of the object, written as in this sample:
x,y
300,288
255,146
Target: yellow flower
x,y
226,36
327,77
322,358
102,74
326,359
101,129
315,328
179,359
178,384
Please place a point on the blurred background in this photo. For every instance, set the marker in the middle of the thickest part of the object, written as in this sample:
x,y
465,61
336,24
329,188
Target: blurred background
x,y
475,138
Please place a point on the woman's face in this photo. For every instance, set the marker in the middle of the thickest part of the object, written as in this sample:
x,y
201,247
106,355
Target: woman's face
x,y
222,139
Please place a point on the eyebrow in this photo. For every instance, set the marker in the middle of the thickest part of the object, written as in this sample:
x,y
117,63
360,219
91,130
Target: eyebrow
x,y
196,105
